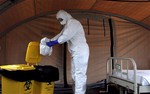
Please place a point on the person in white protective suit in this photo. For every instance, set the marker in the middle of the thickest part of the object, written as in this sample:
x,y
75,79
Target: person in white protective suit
x,y
74,35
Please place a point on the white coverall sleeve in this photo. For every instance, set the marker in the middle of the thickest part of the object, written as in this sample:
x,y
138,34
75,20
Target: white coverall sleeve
x,y
56,37
69,31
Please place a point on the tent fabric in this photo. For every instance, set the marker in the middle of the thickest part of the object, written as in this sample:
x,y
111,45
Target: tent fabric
x,y
137,11
131,41
16,42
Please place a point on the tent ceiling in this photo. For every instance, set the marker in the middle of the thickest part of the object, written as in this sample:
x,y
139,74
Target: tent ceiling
x,y
1,1
139,11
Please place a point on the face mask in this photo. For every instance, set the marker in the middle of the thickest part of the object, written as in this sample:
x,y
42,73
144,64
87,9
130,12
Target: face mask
x,y
62,22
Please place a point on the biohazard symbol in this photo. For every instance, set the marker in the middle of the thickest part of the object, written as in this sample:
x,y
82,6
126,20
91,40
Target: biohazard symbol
x,y
27,85
49,83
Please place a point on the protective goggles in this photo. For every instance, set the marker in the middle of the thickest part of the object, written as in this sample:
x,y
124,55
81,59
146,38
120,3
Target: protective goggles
x,y
60,19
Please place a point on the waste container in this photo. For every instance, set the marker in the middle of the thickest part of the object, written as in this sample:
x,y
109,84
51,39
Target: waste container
x,y
44,78
17,79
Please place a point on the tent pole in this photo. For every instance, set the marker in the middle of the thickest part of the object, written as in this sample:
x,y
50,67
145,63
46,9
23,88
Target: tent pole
x,y
111,40
65,66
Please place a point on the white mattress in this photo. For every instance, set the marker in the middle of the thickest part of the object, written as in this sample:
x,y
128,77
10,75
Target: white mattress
x,y
143,76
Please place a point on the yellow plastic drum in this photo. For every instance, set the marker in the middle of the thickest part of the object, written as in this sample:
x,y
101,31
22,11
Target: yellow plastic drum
x,y
10,86
33,53
43,87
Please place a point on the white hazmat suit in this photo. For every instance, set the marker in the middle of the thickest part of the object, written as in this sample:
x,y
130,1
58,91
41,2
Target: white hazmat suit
x,y
74,35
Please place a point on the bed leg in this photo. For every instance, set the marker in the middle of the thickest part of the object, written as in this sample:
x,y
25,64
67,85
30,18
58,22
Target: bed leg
x,y
126,91
104,91
107,88
121,90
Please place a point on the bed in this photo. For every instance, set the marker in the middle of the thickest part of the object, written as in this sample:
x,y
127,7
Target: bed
x,y
123,73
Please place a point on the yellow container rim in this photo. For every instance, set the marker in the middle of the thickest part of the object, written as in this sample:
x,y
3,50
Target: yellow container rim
x,y
17,67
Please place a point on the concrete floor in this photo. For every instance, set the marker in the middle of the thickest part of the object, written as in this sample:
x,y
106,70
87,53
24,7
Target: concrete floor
x,y
89,91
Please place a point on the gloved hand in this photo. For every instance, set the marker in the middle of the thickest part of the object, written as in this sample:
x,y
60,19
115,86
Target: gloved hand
x,y
52,43
44,40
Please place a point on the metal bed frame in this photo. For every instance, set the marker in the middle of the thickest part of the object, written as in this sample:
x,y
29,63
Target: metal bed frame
x,y
115,65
